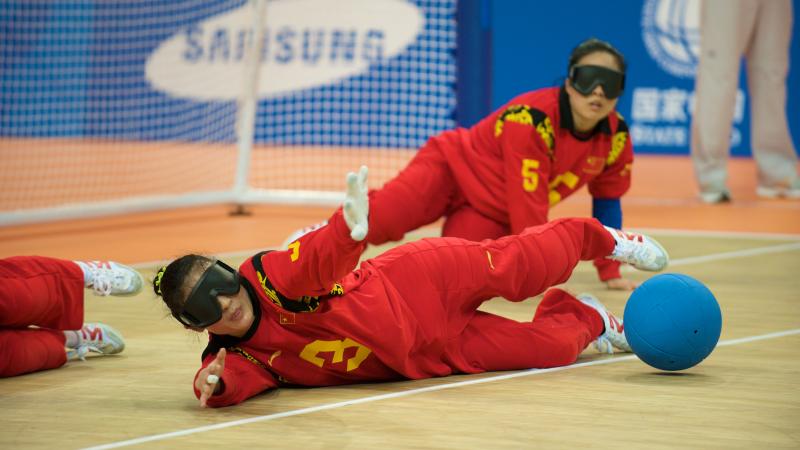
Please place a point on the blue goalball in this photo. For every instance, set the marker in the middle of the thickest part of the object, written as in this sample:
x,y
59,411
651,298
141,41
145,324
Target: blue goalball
x,y
672,321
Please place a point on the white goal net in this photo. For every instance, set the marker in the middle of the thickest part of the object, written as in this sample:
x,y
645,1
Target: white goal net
x,y
132,105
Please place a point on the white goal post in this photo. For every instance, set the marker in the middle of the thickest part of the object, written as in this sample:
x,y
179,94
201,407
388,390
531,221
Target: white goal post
x,y
136,105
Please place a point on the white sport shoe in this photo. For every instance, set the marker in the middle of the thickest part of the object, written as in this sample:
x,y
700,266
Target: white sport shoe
x,y
792,192
614,334
113,278
638,250
97,338
712,197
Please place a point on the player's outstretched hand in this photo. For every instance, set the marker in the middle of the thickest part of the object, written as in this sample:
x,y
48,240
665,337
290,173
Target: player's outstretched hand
x,y
356,204
209,379
621,284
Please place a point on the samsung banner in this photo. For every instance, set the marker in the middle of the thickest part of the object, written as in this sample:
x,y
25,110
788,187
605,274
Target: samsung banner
x,y
330,72
337,72
304,44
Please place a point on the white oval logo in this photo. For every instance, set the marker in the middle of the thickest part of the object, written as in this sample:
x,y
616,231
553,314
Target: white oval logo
x,y
306,43
671,32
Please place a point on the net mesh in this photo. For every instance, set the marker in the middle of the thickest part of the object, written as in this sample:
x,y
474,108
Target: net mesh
x,y
82,120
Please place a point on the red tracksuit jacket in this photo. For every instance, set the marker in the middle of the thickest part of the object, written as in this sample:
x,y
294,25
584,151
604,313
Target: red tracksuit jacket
x,y
410,313
503,174
524,158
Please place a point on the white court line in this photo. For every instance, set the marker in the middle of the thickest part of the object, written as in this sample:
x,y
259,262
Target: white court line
x,y
728,255
375,398
736,254
720,234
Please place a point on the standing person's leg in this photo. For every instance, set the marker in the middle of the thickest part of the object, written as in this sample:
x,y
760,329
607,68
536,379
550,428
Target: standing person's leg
x,y
725,29
767,68
419,195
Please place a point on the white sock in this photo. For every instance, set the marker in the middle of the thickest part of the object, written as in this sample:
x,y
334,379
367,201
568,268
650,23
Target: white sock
x,y
73,338
88,279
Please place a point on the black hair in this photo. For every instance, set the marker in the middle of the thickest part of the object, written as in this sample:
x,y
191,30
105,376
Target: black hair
x,y
593,45
169,282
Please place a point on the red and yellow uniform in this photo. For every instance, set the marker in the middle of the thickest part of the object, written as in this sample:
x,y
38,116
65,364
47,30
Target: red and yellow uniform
x,y
410,313
503,174
40,291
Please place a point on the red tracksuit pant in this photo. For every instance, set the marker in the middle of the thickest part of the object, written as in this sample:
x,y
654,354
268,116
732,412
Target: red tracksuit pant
x,y
460,275
423,192
46,293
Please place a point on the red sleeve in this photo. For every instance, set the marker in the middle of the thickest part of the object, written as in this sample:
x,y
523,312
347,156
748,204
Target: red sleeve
x,y
524,134
315,261
615,180
242,380
607,269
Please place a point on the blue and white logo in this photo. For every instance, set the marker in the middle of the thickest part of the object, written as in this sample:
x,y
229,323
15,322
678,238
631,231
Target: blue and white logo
x,y
671,33
304,44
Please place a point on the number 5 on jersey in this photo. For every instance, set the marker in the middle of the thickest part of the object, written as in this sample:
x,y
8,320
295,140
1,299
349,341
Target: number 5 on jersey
x,y
530,177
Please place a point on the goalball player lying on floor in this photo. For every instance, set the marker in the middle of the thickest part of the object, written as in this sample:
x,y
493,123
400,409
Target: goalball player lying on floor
x,y
303,316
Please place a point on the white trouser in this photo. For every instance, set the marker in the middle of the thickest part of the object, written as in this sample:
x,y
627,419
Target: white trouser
x,y
761,30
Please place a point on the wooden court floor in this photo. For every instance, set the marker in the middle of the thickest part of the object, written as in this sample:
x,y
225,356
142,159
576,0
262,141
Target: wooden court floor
x,y
745,395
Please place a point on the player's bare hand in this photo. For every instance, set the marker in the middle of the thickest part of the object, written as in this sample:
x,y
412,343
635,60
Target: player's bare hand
x,y
208,380
621,284
356,204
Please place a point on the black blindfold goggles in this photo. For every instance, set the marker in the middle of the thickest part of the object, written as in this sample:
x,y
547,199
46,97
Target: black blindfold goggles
x,y
586,78
202,307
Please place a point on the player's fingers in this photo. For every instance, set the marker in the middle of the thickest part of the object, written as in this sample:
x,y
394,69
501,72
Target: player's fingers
x,y
205,392
621,284
359,232
628,285
218,364
208,387
203,399
362,177
352,184
198,382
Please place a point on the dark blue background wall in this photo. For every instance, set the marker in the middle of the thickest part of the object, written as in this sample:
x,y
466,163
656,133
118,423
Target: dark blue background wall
x,y
530,43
